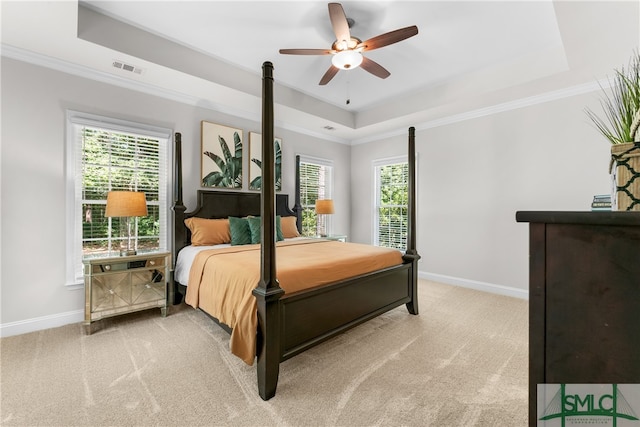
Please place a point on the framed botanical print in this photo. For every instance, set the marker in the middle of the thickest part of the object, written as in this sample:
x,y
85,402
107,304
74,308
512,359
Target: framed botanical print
x,y
255,165
221,150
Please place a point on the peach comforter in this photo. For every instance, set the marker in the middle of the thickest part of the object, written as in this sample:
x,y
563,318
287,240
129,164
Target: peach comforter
x,y
221,280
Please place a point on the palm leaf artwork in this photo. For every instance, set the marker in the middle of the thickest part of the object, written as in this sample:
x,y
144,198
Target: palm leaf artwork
x,y
229,165
256,183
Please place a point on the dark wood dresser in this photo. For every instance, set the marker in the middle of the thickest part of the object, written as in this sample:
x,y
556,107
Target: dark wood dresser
x,y
584,298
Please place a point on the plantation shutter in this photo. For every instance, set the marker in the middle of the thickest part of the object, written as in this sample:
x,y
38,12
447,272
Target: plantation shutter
x,y
315,183
391,210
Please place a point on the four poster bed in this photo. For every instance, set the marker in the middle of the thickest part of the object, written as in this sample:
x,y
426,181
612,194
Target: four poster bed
x,y
274,314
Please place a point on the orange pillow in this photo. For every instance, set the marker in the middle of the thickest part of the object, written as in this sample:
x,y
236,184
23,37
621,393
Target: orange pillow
x,y
207,232
288,226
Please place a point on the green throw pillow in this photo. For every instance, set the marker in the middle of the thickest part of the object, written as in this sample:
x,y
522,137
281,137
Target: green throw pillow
x,y
279,234
254,226
240,231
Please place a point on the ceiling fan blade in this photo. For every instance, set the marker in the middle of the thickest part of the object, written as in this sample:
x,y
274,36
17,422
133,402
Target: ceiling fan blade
x,y
388,38
306,51
374,68
331,72
339,22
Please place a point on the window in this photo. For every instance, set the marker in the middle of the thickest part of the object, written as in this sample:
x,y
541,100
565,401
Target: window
x,y
391,204
315,183
104,155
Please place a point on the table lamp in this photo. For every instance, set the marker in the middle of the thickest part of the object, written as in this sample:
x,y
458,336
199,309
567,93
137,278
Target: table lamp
x,y
126,204
323,207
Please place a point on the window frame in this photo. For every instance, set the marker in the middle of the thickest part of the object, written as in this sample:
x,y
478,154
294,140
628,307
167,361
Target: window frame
x,y
328,188
376,167
75,121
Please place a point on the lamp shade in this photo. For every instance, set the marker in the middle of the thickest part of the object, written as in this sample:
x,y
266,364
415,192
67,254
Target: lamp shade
x,y
347,59
126,204
324,206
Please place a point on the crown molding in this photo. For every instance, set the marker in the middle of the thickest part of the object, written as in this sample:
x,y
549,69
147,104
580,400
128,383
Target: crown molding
x,y
497,108
103,77
112,79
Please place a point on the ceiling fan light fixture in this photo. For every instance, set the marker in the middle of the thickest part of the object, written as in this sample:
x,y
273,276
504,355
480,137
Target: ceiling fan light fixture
x,y
347,49
347,59
341,45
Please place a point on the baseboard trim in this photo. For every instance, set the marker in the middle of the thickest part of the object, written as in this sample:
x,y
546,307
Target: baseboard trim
x,y
39,323
61,319
474,284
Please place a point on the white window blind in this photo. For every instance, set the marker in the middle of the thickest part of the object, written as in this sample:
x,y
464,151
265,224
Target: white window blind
x,y
391,204
315,183
105,155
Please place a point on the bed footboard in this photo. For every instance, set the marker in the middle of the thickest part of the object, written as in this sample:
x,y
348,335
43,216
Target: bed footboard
x,y
314,316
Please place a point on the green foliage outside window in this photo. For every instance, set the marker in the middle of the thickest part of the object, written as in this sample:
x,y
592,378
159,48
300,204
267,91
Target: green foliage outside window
x,y
314,181
393,205
116,161
309,222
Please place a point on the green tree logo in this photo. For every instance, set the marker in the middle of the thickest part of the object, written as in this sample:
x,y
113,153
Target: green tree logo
x,y
582,408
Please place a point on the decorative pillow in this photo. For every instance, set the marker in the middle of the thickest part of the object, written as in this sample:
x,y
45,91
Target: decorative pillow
x,y
279,235
206,232
254,226
240,231
289,229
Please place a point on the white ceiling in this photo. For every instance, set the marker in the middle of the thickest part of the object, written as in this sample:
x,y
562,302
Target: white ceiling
x,y
247,33
468,56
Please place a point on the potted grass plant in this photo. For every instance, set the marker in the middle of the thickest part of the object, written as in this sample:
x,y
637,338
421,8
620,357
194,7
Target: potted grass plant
x,y
621,126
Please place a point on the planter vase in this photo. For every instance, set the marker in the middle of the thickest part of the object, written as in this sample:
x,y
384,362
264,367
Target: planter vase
x,y
626,175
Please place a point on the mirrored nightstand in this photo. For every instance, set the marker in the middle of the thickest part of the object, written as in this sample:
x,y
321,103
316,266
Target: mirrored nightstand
x,y
124,284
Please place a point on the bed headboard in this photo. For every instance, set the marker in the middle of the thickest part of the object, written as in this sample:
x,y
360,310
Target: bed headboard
x,y
223,204
220,204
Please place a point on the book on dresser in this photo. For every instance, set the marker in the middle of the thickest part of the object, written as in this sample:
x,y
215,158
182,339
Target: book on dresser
x,y
601,202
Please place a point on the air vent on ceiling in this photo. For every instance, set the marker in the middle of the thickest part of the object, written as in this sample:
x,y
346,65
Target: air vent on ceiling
x,y
127,67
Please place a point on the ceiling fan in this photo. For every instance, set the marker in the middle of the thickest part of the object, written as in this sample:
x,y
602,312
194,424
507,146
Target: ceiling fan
x,y
347,50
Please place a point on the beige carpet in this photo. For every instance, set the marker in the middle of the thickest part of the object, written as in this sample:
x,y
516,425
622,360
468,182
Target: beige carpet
x,y
461,362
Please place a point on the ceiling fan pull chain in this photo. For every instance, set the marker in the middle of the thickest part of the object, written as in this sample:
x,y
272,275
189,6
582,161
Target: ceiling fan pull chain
x,y
348,97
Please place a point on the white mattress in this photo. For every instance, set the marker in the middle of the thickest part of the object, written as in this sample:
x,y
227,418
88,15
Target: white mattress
x,y
185,259
188,254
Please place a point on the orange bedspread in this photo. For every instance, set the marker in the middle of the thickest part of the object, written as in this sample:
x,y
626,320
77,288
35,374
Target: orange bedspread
x,y
221,280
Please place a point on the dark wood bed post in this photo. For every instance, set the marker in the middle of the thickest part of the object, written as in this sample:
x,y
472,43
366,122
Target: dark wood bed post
x,y
268,291
297,207
411,254
178,210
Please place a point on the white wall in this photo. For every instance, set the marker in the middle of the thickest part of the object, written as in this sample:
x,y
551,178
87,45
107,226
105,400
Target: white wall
x,y
475,174
533,149
34,102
